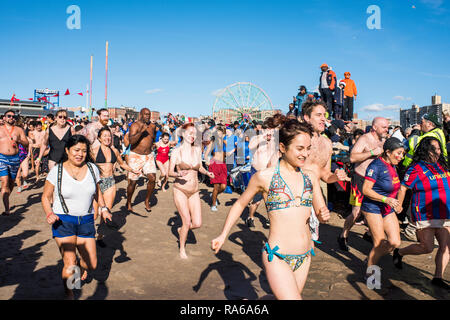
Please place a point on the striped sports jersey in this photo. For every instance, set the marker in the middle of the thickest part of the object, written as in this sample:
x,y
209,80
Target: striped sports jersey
x,y
386,182
430,184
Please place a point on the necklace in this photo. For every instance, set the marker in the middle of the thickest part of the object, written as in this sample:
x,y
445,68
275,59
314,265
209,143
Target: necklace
x,y
10,136
72,174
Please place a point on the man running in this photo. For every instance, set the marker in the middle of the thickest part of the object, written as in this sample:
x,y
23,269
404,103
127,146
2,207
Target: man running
x,y
265,155
141,136
10,137
37,138
319,159
366,149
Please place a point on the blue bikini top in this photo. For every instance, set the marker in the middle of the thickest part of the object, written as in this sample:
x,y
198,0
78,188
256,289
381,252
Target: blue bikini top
x,y
280,195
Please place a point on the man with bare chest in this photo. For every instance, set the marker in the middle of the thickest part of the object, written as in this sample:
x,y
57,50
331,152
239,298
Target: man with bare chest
x,y
37,138
366,149
264,149
92,129
10,137
141,136
319,159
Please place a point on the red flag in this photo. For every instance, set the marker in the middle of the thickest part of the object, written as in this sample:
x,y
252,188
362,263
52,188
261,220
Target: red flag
x,y
31,99
13,99
56,95
43,99
67,93
80,93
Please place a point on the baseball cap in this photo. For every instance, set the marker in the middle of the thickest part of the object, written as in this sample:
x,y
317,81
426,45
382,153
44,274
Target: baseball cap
x,y
324,65
432,118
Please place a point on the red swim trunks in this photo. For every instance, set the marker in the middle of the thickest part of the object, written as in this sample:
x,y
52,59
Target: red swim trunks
x,y
220,172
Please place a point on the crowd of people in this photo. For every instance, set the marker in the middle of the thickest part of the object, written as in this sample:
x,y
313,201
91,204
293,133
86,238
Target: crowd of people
x,y
301,165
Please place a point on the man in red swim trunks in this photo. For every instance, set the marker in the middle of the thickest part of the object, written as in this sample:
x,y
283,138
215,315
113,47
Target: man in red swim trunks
x,y
217,166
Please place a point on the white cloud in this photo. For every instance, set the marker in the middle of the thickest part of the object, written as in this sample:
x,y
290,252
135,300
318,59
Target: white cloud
x,y
151,91
401,98
377,107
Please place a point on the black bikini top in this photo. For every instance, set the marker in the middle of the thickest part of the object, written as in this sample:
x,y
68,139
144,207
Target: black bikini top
x,y
101,157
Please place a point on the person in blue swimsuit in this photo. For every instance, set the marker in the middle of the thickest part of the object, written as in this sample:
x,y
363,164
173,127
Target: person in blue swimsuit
x,y
289,194
380,191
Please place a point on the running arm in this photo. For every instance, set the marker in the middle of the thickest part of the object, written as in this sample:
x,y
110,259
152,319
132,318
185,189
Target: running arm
x,y
255,185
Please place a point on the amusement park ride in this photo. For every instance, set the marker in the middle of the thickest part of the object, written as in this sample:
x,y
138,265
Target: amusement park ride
x,y
241,101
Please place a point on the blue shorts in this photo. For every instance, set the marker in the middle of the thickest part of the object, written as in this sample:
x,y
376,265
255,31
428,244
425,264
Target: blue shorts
x,y
68,226
9,165
371,206
258,197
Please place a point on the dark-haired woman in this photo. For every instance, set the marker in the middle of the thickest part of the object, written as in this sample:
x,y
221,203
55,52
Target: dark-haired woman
x,y
162,159
429,179
69,192
106,158
289,194
380,190
56,137
187,158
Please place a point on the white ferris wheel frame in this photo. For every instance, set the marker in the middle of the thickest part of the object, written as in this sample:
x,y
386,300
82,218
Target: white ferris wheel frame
x,y
251,108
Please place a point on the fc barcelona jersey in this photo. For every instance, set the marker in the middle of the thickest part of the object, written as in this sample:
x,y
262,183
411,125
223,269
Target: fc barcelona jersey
x,y
386,182
430,191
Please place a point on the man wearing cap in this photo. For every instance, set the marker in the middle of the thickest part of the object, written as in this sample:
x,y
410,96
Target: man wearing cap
x,y
350,93
338,102
327,84
293,111
430,127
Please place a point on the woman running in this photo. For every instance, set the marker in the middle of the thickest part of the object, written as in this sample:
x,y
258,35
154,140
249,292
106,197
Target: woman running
x,y
187,159
380,190
105,158
67,199
56,137
162,159
289,194
429,179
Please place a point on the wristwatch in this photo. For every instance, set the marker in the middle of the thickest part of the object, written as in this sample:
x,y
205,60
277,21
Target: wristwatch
x,y
104,208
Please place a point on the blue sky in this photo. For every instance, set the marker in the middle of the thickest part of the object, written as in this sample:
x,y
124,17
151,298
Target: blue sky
x,y
173,55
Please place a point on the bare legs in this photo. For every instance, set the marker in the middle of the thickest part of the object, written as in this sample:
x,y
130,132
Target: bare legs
x,y
88,258
7,187
285,284
191,216
218,189
379,228
164,174
132,187
426,245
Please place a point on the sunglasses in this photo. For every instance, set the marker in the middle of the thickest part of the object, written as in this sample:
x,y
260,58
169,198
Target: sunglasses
x,y
10,116
62,117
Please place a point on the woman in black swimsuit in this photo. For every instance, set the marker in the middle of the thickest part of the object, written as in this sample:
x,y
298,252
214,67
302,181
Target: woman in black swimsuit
x,y
105,158
60,128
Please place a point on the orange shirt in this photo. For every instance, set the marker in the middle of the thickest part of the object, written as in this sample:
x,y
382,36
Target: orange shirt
x,y
350,88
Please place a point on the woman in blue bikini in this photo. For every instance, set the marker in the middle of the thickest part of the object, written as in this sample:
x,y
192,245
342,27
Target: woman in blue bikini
x,y
289,194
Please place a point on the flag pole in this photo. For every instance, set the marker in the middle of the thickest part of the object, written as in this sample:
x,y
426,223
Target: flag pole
x,y
106,78
90,89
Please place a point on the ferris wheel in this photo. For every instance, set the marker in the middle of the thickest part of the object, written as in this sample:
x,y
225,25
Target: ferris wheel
x,y
242,100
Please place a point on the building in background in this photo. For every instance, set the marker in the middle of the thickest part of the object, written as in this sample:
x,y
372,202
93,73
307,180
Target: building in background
x,y
410,117
29,109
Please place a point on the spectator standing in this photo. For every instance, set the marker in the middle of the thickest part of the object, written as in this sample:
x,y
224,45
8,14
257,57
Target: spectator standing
x,y
327,84
350,93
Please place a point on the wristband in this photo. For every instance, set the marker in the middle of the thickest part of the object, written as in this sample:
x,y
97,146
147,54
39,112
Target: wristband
x,y
384,199
371,152
38,159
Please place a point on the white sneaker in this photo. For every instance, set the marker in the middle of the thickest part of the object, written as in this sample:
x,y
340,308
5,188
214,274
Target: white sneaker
x,y
214,208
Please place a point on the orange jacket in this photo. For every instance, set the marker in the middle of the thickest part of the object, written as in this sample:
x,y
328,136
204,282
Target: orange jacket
x,y
350,88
